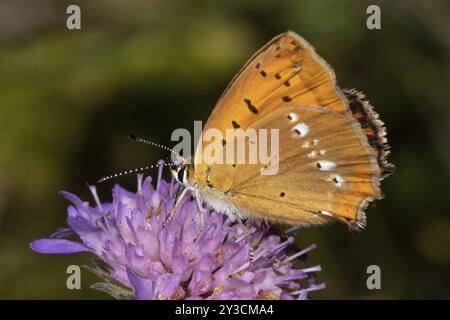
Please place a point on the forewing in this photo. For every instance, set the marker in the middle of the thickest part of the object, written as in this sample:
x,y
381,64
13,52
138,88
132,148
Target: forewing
x,y
285,71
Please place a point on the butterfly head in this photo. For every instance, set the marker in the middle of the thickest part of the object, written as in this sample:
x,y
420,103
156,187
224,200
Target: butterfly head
x,y
182,171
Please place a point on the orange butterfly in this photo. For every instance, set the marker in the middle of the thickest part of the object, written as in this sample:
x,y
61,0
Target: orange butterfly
x,y
332,145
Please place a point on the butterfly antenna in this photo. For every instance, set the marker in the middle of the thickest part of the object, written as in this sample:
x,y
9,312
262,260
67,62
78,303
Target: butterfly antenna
x,y
123,173
135,138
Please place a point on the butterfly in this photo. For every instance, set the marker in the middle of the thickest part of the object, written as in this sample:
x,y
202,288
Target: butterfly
x,y
329,171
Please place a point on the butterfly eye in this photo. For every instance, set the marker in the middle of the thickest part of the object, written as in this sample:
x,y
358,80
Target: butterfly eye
x,y
182,174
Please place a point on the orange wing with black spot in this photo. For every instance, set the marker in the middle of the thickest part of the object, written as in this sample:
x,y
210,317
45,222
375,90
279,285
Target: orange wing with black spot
x,y
286,71
287,76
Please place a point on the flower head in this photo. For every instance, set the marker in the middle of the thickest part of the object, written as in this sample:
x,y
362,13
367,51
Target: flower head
x,y
176,259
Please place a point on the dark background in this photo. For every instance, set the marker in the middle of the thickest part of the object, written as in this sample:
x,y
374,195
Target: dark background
x,y
68,99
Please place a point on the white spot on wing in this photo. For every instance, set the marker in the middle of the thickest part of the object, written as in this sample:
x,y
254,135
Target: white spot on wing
x,y
305,145
292,117
326,165
302,129
322,152
338,180
315,142
312,154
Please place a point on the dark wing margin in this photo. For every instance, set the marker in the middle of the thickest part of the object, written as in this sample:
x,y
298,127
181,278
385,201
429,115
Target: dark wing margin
x,y
372,126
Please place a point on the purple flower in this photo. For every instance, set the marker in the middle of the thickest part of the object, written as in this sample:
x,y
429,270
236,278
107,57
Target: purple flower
x,y
141,256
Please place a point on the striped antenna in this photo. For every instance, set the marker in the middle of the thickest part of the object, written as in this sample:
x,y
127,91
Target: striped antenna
x,y
142,140
123,173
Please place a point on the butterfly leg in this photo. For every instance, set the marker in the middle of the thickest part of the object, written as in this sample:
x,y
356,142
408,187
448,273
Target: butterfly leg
x,y
176,206
292,229
243,226
201,209
251,251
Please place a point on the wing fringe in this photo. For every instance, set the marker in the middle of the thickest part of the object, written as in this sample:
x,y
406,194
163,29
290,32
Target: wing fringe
x,y
372,126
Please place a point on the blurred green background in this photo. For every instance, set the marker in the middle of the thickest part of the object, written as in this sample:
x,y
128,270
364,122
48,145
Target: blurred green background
x,y
68,99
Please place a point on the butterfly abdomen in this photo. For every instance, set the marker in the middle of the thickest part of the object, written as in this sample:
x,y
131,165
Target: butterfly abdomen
x,y
219,201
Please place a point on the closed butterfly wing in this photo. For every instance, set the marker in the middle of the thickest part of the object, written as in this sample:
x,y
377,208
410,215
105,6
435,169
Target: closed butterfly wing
x,y
331,171
285,71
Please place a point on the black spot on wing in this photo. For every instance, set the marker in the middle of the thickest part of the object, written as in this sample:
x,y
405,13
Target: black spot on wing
x,y
250,106
286,99
235,124
355,105
263,73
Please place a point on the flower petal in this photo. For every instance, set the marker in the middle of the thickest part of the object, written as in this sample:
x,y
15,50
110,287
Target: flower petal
x,y
143,288
52,246
168,287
